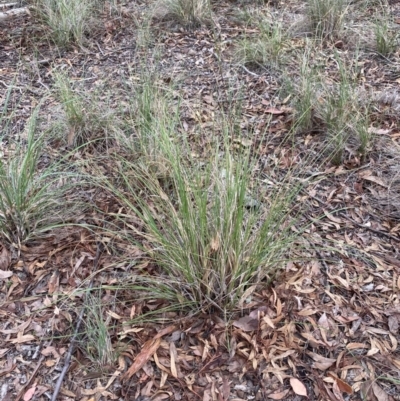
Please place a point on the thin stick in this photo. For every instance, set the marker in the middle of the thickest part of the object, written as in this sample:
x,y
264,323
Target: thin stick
x,y
74,337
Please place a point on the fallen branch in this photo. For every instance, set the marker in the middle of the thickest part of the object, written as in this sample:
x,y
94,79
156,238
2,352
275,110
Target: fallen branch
x,y
7,5
14,12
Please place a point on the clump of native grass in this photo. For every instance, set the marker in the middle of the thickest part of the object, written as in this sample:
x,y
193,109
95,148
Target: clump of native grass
x,y
68,20
96,338
190,13
336,107
344,118
325,18
88,118
303,92
32,197
386,36
144,31
269,46
344,109
210,225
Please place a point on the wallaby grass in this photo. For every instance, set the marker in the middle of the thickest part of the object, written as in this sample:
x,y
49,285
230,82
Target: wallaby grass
x,y
205,227
325,17
189,13
267,49
386,36
88,119
33,199
68,21
97,341
337,108
210,241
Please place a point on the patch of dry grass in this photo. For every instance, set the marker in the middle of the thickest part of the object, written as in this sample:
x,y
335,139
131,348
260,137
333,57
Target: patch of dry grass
x,y
189,13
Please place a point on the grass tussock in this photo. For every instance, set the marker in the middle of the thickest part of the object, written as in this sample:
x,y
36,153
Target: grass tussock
x,y
206,227
67,20
88,119
336,108
32,198
386,36
97,340
345,118
325,18
212,244
189,13
267,49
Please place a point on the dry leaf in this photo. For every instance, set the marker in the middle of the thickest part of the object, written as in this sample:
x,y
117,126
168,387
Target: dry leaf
x,y
393,324
50,351
225,389
150,347
351,346
344,387
333,218
5,258
244,142
208,99
174,357
336,391
27,338
5,274
278,396
160,396
378,131
54,282
313,341
366,391
321,362
380,394
9,367
246,323
298,387
269,322
323,322
376,180
29,394
273,110
165,331
306,312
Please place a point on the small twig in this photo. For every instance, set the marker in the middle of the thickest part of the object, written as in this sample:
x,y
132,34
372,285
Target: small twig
x,y
249,72
387,235
76,332
68,358
98,46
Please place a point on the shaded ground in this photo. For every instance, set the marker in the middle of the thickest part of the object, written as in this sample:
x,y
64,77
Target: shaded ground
x,y
328,327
